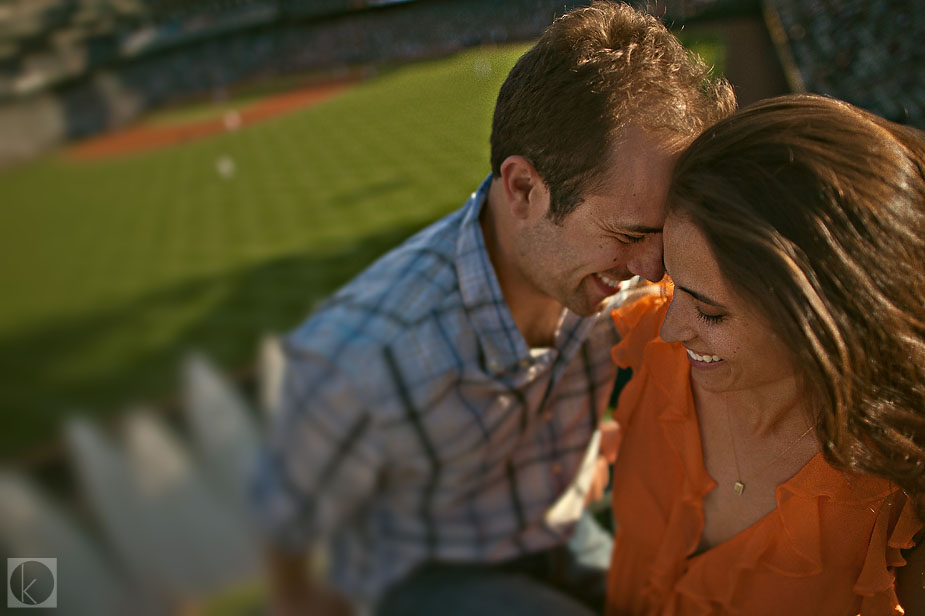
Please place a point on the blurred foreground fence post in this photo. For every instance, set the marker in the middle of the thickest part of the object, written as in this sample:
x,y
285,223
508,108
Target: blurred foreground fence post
x,y
169,515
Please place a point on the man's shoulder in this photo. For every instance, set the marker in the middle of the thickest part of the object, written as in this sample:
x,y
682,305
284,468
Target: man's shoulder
x,y
400,290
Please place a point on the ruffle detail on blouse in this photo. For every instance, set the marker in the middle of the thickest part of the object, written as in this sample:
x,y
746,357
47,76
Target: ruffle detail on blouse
x,y
638,323
784,542
679,425
894,529
789,540
799,551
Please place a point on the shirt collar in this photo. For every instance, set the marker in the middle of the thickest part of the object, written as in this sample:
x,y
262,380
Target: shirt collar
x,y
503,344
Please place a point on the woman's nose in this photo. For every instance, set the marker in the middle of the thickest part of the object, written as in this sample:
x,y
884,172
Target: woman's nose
x,y
673,328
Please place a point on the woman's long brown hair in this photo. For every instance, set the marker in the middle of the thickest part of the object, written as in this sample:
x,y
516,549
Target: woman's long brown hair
x,y
815,212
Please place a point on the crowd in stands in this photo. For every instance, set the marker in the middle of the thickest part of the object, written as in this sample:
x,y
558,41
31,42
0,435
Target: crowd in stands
x,y
162,50
384,34
45,44
868,53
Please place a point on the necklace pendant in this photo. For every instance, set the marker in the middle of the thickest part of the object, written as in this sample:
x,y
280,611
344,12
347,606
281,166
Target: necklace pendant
x,y
738,487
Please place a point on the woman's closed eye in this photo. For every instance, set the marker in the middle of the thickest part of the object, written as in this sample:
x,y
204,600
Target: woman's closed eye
x,y
709,319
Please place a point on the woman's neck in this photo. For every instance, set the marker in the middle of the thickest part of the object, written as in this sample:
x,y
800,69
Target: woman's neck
x,y
758,411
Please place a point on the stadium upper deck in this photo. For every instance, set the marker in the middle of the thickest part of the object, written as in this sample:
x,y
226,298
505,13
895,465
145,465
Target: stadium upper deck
x,y
46,43
868,53
84,66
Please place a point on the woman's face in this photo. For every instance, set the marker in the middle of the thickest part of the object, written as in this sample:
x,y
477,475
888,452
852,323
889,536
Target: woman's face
x,y
730,345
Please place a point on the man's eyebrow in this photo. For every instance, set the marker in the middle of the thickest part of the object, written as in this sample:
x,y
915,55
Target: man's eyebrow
x,y
700,297
640,229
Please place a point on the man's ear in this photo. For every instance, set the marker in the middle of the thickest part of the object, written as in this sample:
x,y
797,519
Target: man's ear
x,y
524,189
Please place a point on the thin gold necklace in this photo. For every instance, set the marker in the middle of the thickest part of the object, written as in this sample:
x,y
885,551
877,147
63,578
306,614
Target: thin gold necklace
x,y
739,486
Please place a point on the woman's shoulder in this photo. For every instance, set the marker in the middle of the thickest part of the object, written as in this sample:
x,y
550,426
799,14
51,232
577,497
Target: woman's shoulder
x,y
638,320
639,303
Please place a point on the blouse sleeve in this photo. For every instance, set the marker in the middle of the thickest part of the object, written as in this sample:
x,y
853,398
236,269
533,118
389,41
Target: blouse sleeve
x,y
894,529
638,324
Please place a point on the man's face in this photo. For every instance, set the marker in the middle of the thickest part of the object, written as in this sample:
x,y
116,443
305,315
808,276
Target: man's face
x,y
612,235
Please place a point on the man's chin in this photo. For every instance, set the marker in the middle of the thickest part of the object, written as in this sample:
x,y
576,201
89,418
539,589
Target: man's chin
x,y
587,309
590,297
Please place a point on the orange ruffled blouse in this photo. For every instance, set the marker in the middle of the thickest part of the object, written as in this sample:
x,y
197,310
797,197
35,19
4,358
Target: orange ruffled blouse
x,y
828,549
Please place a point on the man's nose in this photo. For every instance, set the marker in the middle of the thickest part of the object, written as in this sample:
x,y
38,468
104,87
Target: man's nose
x,y
647,260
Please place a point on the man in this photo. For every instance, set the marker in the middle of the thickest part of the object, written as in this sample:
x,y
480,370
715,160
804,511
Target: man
x,y
439,409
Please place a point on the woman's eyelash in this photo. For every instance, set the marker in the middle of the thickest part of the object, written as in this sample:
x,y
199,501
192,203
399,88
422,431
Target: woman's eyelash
x,y
710,319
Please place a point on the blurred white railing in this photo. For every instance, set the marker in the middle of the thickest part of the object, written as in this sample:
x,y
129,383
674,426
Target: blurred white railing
x,y
166,524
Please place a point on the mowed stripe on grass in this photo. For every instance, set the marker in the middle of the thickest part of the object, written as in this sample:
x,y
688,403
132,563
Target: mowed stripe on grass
x,y
114,268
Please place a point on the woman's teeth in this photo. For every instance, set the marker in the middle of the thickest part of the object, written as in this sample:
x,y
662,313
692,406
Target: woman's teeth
x,y
704,358
610,282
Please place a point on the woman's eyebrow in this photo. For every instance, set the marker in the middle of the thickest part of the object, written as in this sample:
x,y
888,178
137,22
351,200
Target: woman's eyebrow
x,y
700,297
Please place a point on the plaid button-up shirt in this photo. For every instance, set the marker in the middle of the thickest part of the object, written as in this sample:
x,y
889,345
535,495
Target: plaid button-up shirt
x,y
418,425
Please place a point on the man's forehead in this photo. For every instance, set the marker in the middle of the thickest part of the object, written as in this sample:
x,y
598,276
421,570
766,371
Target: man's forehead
x,y
633,189
636,204
623,213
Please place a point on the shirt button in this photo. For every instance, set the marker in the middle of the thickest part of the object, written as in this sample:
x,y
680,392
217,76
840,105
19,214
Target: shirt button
x,y
556,468
547,416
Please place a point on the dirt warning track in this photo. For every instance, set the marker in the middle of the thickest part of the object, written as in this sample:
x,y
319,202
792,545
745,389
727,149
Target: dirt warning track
x,y
143,138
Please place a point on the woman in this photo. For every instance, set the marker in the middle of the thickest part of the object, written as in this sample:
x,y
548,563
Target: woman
x,y
773,458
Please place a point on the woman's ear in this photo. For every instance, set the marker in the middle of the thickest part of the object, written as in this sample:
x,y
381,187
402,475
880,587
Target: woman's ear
x,y
524,189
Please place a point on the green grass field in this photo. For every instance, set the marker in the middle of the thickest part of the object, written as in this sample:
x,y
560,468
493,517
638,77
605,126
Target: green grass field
x,y
112,270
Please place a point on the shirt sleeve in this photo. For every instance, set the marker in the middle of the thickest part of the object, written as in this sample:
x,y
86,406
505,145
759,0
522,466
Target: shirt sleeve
x,y
322,459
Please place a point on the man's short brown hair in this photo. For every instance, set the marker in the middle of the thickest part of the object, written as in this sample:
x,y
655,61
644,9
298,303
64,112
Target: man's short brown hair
x,y
595,71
